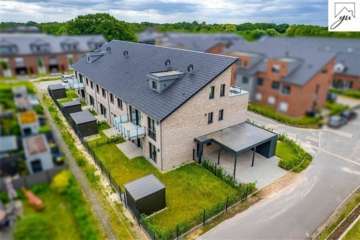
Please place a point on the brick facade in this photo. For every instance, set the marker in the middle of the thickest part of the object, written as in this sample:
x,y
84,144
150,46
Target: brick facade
x,y
346,81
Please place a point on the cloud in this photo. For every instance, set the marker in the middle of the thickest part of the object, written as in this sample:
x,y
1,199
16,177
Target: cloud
x,y
211,11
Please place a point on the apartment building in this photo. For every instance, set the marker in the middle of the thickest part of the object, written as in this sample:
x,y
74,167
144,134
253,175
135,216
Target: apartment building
x,y
30,54
291,78
163,99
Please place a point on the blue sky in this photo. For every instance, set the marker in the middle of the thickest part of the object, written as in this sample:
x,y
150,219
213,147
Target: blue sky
x,y
211,11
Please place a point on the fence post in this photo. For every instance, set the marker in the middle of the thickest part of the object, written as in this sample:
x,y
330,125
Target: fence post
x,y
226,204
204,217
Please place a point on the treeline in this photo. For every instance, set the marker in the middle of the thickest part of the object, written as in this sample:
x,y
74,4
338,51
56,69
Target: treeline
x,y
112,28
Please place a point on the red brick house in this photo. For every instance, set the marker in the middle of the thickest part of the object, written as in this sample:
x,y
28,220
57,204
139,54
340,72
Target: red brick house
x,y
31,54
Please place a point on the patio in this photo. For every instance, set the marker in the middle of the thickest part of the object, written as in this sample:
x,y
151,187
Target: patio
x,y
129,149
264,171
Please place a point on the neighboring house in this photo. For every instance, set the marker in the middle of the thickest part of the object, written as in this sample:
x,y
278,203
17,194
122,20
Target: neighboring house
x,y
165,100
347,71
37,153
209,43
292,79
29,54
29,124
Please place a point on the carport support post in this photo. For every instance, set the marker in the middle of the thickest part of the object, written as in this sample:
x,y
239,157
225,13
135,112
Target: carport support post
x,y
235,160
219,153
253,157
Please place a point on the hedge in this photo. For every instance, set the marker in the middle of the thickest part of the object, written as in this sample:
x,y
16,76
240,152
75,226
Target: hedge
x,y
347,92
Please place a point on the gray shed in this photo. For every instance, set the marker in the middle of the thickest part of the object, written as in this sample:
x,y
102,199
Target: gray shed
x,y
71,107
145,195
84,123
57,91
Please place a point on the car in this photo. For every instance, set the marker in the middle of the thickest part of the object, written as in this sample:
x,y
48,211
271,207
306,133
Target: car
x,y
348,115
336,121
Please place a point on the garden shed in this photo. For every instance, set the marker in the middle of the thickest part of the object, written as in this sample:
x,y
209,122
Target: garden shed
x,y
57,91
145,195
71,107
84,123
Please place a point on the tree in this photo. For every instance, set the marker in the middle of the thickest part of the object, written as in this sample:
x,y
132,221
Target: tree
x,y
100,23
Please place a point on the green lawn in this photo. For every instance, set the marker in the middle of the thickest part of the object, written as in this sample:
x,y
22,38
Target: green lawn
x,y
335,108
291,155
70,96
270,112
354,232
57,214
189,189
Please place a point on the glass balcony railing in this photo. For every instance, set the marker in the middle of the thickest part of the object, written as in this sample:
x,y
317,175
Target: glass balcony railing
x,y
127,129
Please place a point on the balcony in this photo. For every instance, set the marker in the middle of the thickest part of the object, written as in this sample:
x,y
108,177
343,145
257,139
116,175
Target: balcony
x,y
127,129
236,91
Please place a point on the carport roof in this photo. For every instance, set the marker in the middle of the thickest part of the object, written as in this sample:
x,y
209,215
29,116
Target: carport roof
x,y
240,137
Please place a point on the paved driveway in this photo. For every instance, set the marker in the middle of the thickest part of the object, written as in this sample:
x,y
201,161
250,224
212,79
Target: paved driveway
x,y
297,211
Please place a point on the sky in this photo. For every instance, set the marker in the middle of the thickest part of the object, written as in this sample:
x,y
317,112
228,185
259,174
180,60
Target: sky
x,y
162,11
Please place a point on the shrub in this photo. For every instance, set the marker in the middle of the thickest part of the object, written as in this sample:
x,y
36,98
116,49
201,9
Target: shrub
x,y
335,108
4,198
61,181
347,92
299,160
267,111
33,227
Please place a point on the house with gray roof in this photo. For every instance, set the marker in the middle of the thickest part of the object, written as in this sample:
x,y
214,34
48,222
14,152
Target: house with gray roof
x,y
291,78
162,99
38,53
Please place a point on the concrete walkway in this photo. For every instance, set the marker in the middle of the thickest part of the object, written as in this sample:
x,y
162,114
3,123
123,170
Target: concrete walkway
x,y
130,149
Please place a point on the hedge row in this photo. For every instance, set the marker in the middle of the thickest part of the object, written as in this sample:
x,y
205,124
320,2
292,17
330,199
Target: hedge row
x,y
267,111
347,92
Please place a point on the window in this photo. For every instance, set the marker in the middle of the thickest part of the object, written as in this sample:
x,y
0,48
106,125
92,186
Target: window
x,y
91,85
245,80
283,106
260,81
103,92
152,152
222,90
97,88
111,98
91,100
119,103
151,128
275,85
36,166
154,85
258,96
271,100
103,110
87,82
210,117
317,88
80,78
275,68
221,114
212,92
286,90
324,70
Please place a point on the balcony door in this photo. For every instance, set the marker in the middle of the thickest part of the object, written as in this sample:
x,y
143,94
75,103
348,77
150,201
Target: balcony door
x,y
134,115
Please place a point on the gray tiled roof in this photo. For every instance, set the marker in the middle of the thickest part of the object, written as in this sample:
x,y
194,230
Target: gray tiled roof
x,y
306,62
23,41
126,76
197,41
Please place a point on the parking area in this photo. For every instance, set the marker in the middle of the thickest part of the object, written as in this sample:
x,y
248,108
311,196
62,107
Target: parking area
x,y
264,171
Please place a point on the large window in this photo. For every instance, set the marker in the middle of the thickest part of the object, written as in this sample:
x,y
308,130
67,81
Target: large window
x,y
97,88
120,103
111,98
210,117
221,114
152,152
103,92
245,80
275,85
222,90
151,128
260,81
212,92
91,84
286,90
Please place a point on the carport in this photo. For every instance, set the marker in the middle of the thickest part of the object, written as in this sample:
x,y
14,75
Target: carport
x,y
238,139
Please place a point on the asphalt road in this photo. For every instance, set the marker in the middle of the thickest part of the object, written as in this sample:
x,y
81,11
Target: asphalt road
x,y
298,210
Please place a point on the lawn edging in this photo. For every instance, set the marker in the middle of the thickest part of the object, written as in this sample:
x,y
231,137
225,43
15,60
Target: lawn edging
x,y
303,122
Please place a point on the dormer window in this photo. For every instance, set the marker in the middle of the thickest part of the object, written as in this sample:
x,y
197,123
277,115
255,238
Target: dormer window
x,y
275,68
69,46
40,47
159,81
7,47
